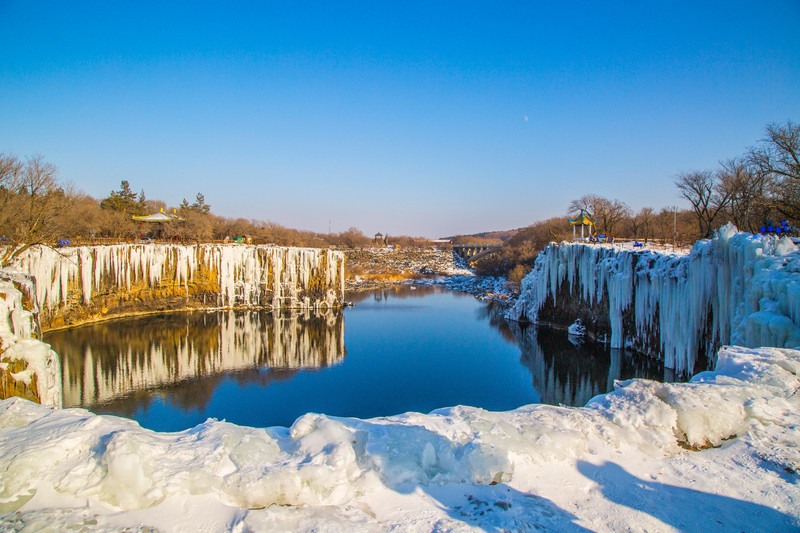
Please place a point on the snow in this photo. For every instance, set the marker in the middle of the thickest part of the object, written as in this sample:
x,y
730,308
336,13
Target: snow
x,y
610,465
243,271
16,343
748,285
577,328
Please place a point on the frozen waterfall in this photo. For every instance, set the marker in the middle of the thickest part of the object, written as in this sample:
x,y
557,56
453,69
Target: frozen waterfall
x,y
736,288
240,275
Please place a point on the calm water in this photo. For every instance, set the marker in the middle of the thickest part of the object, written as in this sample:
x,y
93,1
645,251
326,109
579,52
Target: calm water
x,y
403,349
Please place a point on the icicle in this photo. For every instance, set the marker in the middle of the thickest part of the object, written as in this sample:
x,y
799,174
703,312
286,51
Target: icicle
x,y
245,274
748,285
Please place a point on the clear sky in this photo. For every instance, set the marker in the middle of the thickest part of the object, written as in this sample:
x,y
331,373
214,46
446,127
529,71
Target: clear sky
x,y
421,118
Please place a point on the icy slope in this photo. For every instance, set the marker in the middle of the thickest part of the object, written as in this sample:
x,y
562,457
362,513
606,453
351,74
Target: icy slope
x,y
749,287
451,470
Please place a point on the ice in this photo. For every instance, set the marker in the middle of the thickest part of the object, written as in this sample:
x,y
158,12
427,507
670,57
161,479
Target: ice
x,y
242,272
736,288
577,328
719,453
385,467
17,326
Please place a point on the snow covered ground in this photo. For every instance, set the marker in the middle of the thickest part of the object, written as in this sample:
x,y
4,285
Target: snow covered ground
x,y
720,453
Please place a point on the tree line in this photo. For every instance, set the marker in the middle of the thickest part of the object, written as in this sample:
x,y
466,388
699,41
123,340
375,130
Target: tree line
x,y
760,186
38,207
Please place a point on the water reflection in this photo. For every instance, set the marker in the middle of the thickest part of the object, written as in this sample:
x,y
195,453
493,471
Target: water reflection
x,y
570,372
187,354
396,291
409,349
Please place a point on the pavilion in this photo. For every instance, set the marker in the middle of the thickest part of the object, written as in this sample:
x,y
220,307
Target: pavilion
x,y
156,218
582,220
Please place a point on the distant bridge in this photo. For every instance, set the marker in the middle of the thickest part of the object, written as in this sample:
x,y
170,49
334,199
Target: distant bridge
x,y
467,251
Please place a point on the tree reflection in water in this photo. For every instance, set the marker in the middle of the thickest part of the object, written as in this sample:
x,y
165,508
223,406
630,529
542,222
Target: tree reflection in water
x,y
184,356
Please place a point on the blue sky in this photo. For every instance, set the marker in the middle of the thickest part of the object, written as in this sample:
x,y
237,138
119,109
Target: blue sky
x,y
418,118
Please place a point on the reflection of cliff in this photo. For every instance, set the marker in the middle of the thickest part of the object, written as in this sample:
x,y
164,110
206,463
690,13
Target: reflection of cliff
x,y
110,360
571,374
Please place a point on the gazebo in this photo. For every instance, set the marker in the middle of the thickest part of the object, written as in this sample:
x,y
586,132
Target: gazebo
x,y
155,218
582,220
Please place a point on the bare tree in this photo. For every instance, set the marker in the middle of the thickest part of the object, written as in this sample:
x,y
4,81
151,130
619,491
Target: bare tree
x,y
747,188
643,224
778,158
708,199
354,238
11,171
32,199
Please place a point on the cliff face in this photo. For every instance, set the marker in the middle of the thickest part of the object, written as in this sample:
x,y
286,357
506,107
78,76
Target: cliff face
x,y
734,289
77,285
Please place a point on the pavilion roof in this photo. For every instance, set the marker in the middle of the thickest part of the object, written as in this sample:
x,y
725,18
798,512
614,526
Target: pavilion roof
x,y
157,217
581,220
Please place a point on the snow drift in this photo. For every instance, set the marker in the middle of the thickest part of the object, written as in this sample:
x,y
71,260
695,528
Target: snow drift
x,y
736,288
68,458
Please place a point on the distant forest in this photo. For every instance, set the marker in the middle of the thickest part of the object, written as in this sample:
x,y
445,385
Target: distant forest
x,y
37,207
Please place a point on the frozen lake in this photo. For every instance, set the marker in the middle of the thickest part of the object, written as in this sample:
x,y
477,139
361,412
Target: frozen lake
x,y
402,349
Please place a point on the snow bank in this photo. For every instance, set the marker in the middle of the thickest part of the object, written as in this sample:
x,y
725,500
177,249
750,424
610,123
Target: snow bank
x,y
16,344
74,460
749,287
245,275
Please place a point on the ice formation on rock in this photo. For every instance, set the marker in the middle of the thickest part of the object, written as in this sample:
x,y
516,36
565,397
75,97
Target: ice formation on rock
x,y
577,328
245,275
17,343
736,288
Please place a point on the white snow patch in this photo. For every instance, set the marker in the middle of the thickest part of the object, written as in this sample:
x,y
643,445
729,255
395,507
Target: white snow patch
x,y
577,328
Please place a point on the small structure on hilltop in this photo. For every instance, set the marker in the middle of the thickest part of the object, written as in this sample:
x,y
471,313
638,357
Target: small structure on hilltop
x,y
583,221
156,218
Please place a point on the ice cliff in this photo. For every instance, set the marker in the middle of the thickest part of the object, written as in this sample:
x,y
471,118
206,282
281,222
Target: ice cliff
x,y
736,288
212,275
